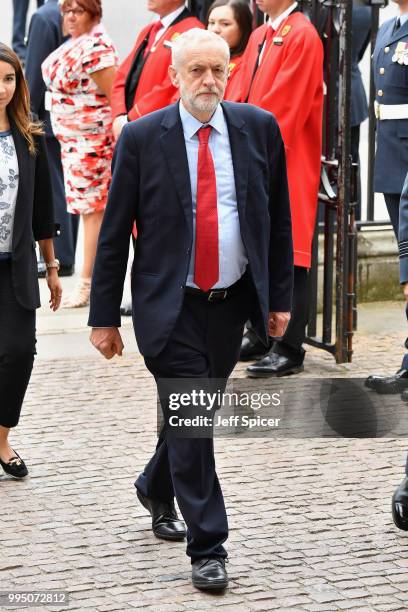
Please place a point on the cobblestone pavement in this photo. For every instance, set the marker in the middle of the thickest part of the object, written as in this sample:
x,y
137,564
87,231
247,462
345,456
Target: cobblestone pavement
x,y
310,519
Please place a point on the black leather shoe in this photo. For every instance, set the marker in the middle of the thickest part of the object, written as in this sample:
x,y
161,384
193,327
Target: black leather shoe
x,y
274,364
396,383
165,522
15,467
210,574
400,506
251,347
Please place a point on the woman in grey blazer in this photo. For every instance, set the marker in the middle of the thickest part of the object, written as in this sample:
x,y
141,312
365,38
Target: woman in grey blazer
x,y
26,215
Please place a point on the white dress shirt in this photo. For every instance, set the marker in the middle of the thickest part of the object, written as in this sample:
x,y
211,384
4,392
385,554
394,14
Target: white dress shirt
x,y
232,255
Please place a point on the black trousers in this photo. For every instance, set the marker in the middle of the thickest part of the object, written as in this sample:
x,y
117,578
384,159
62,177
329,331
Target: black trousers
x,y
17,349
65,244
392,201
291,343
205,343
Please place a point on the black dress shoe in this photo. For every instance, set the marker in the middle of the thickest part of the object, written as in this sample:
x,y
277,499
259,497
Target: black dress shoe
x,y
274,364
251,347
15,467
165,522
396,383
209,574
400,506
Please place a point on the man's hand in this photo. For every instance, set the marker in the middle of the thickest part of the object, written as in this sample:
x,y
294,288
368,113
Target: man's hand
x,y
107,340
278,322
117,126
405,289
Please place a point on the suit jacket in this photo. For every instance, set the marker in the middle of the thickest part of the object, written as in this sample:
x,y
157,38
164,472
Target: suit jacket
x,y
359,42
45,35
154,89
289,84
391,160
34,218
151,184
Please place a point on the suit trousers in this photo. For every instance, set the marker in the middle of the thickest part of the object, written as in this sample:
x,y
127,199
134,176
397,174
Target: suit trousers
x,y
65,244
205,343
291,344
17,349
392,201
20,9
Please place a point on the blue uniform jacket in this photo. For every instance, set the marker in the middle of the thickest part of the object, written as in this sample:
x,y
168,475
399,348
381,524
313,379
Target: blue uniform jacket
x,y
391,83
360,40
403,233
45,35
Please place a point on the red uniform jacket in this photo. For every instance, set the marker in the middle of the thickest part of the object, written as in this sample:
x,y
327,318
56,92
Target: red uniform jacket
x,y
233,90
289,84
154,90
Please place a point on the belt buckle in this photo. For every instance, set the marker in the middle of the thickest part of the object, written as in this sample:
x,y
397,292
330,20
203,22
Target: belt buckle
x,y
377,111
215,293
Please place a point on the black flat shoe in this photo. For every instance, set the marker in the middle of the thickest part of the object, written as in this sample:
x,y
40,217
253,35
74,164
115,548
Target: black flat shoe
x,y
15,467
388,385
399,506
251,347
165,522
274,364
209,574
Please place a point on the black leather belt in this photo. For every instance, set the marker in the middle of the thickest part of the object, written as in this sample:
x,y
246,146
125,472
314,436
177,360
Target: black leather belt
x,y
217,295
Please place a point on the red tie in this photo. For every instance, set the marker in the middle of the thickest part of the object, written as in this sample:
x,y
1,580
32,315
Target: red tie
x,y
152,36
270,33
206,269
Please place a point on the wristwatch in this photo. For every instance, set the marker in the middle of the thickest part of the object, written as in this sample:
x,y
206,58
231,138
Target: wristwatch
x,y
53,264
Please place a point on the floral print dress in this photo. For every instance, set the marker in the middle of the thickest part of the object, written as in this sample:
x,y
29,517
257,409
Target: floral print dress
x,y
81,117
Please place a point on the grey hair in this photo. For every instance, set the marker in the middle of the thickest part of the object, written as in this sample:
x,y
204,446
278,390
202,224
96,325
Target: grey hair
x,y
195,37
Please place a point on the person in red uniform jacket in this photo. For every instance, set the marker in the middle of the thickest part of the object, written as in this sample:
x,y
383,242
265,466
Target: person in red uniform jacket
x,y
232,20
282,72
142,83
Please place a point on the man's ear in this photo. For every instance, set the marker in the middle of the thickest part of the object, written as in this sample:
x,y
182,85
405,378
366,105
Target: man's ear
x,y
173,76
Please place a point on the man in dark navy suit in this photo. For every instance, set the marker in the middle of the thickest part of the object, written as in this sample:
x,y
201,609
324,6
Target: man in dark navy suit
x,y
20,10
390,67
206,184
45,35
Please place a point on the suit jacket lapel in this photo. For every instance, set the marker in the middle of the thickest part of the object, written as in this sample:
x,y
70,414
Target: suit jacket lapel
x,y
174,149
24,163
383,40
240,153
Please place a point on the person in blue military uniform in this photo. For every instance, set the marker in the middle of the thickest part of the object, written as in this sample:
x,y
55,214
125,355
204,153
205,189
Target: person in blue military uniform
x,y
390,68
400,497
45,35
20,10
361,32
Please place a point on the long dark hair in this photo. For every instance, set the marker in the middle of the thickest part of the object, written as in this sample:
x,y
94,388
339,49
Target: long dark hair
x,y
19,106
242,15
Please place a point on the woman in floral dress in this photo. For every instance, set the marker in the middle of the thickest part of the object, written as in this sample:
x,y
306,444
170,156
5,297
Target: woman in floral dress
x,y
79,77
